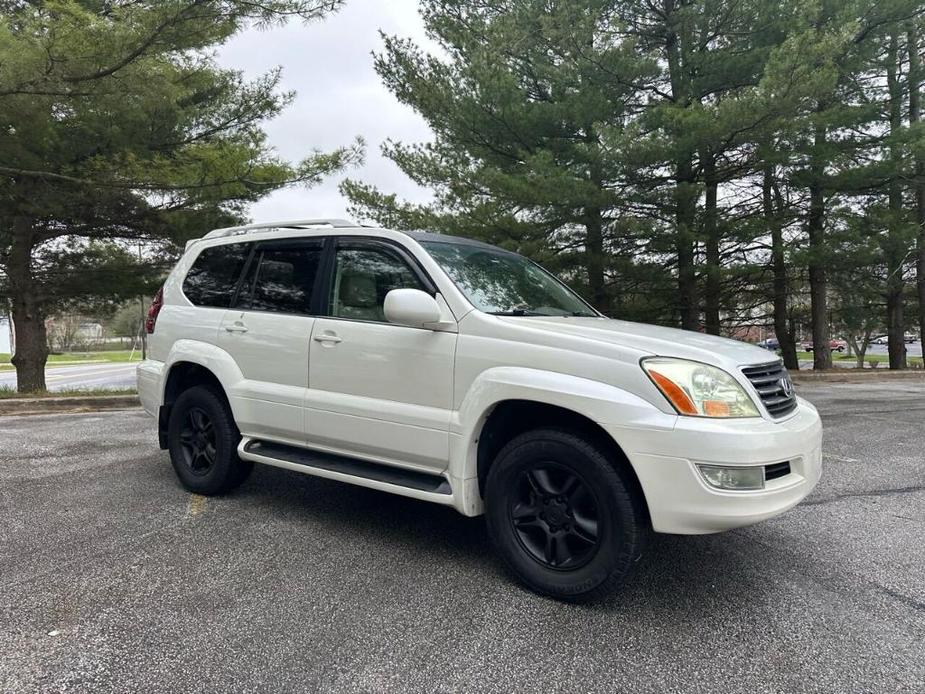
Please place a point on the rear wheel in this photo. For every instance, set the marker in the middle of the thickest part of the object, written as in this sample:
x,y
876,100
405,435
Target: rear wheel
x,y
203,439
561,517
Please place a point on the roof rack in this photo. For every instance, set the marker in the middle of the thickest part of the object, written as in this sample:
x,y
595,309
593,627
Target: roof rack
x,y
295,224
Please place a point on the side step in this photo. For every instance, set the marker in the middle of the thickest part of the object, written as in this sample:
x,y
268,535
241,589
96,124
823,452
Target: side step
x,y
411,479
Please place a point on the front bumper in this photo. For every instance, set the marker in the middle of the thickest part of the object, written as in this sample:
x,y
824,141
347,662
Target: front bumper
x,y
679,499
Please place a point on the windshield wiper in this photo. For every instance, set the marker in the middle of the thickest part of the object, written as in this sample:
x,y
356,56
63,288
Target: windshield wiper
x,y
527,312
517,312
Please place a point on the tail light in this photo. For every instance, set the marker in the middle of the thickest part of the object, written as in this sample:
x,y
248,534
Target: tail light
x,y
153,310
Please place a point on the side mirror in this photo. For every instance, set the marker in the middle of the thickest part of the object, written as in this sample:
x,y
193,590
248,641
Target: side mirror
x,y
411,307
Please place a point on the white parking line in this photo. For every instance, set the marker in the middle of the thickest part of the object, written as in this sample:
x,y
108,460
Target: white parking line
x,y
839,458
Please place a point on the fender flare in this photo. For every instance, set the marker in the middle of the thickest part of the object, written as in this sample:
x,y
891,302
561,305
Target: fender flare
x,y
216,360
599,402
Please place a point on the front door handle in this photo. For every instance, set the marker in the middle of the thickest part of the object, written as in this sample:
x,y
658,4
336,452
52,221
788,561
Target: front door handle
x,y
236,327
327,338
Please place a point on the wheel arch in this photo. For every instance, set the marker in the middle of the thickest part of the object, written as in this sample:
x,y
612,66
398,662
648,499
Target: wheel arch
x,y
183,375
192,365
510,418
505,402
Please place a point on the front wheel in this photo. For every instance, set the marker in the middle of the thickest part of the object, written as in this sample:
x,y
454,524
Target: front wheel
x,y
561,515
202,439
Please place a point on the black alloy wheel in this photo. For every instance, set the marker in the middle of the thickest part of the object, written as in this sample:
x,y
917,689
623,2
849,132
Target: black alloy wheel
x,y
555,516
197,441
203,440
564,514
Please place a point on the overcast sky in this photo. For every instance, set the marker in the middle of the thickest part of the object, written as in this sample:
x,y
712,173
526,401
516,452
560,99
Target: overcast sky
x,y
329,65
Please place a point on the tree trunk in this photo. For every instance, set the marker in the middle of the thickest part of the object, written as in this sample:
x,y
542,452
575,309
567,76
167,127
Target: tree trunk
x,y
818,282
685,212
28,315
594,259
594,226
31,347
859,347
896,329
685,193
713,286
915,115
893,247
782,327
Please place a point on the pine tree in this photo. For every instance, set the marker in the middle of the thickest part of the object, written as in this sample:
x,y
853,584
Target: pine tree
x,y
529,111
117,124
913,45
680,160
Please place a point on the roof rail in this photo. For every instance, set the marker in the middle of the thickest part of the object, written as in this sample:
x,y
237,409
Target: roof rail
x,y
294,224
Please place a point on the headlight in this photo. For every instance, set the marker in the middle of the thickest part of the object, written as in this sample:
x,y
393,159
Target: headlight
x,y
699,390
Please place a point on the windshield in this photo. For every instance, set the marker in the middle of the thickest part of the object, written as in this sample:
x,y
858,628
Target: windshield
x,y
503,283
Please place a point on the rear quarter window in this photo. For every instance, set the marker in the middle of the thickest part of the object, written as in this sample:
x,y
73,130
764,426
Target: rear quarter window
x,y
212,279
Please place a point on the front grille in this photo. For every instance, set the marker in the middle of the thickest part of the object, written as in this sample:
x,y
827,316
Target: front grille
x,y
774,387
772,472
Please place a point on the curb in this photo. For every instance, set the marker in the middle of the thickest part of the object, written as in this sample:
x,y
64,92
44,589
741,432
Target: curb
x,y
71,404
857,376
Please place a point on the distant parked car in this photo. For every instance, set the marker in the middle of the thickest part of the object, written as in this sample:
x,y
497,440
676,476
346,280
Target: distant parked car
x,y
908,338
834,345
771,343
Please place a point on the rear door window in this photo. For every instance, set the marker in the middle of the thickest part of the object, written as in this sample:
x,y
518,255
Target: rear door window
x,y
282,278
213,278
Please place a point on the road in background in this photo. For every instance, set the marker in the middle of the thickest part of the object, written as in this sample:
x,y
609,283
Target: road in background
x,y
102,375
115,579
913,349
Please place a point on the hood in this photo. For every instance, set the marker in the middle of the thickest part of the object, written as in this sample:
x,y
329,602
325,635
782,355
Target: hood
x,y
654,340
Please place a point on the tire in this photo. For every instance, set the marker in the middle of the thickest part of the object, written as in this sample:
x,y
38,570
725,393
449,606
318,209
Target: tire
x,y
562,515
202,439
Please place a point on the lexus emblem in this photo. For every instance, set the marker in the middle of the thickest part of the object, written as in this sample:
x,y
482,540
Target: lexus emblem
x,y
786,385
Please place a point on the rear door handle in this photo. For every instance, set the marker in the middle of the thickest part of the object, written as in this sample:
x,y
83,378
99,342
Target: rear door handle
x,y
327,338
236,328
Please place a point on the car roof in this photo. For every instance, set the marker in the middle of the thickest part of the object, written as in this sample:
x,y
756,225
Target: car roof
x,y
264,231
331,227
434,237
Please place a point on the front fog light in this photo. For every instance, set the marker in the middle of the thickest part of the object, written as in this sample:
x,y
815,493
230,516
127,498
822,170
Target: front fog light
x,y
735,478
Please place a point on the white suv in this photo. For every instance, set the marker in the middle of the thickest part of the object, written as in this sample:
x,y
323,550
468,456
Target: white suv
x,y
452,371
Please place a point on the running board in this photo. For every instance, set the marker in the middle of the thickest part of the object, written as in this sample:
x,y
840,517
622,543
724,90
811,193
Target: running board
x,y
361,469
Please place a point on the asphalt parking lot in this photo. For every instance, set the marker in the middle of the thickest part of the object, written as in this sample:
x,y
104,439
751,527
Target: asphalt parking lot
x,y
114,579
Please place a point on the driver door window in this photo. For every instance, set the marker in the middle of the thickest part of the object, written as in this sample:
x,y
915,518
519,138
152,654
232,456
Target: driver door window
x,y
362,278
